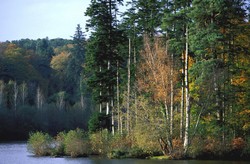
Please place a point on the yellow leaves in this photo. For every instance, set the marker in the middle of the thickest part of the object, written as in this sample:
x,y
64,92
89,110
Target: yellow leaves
x,y
155,72
240,80
12,51
245,112
245,117
58,62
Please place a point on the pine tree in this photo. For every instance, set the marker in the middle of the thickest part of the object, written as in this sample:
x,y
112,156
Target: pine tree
x,y
102,52
213,30
75,65
175,25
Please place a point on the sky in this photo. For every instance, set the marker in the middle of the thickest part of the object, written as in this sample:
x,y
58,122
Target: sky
x,y
33,19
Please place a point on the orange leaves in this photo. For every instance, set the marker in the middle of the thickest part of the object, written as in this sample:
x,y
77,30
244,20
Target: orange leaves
x,y
238,143
245,118
58,62
155,69
240,80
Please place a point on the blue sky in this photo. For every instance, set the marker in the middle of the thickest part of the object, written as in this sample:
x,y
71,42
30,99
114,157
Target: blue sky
x,y
35,19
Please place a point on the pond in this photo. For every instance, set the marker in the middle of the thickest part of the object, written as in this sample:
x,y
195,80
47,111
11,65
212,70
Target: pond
x,y
16,153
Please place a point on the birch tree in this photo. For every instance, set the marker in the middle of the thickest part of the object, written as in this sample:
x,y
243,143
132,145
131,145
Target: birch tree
x,y
39,98
187,99
24,92
60,100
15,95
154,78
1,92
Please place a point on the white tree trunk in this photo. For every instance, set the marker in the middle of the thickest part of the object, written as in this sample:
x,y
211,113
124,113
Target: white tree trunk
x,y
128,91
171,95
182,100
100,105
112,118
15,88
107,108
135,87
1,92
24,92
118,96
187,126
108,103
60,100
39,98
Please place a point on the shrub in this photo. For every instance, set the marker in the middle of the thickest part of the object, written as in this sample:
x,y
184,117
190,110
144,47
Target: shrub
x,y
238,143
196,147
100,142
120,142
246,150
40,144
118,154
76,143
138,153
59,149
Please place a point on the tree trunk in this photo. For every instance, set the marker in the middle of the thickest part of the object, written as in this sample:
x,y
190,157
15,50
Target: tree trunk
x,y
23,92
100,105
118,96
135,86
169,137
187,126
39,98
1,92
15,88
81,95
112,118
128,91
182,99
171,96
108,101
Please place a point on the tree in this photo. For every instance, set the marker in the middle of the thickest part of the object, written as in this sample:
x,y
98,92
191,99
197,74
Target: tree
x,y
74,66
102,55
214,28
175,24
1,92
154,78
24,92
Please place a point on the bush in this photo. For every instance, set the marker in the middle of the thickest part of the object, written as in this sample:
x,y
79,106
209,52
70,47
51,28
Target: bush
x,y
138,153
40,144
117,154
76,143
59,149
100,142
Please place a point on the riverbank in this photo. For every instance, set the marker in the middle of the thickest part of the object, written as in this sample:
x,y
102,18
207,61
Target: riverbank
x,y
77,143
16,153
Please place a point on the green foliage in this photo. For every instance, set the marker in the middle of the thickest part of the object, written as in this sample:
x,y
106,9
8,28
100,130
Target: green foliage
x,y
101,49
59,149
100,142
16,125
40,144
98,121
76,143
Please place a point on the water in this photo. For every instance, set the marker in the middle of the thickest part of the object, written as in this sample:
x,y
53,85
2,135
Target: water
x,y
16,153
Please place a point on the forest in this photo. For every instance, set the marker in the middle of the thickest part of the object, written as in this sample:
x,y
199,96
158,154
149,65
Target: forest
x,y
163,77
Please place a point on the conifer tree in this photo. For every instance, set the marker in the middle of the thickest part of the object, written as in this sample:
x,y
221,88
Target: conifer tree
x,y
102,51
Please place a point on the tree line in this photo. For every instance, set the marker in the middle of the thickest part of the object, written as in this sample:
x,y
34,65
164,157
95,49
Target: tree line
x,y
168,75
39,78
171,71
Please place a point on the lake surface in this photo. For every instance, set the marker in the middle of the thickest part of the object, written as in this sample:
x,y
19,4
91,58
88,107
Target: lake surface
x,y
16,153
